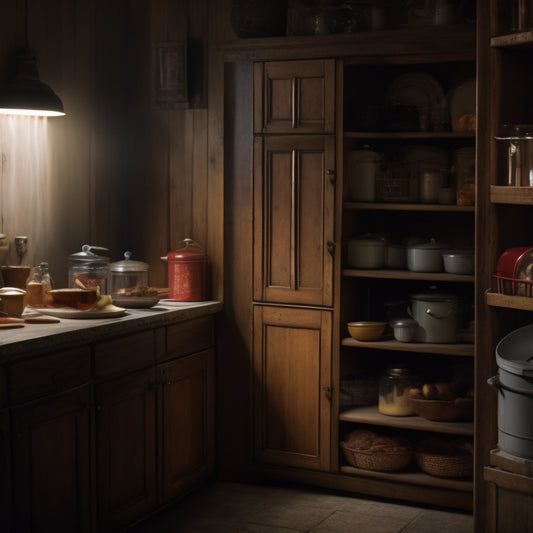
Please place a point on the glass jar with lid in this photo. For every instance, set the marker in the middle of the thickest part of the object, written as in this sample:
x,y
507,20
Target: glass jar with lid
x,y
128,283
394,389
87,269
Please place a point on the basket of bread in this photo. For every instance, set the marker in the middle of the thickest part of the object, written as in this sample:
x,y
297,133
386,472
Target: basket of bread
x,y
366,449
443,402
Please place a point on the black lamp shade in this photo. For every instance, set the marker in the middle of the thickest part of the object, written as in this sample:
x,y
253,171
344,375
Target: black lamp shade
x,y
26,94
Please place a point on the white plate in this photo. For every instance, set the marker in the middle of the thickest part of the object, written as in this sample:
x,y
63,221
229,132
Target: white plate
x,y
462,100
136,302
415,89
69,312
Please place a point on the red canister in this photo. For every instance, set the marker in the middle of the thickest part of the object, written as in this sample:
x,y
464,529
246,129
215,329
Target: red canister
x,y
186,272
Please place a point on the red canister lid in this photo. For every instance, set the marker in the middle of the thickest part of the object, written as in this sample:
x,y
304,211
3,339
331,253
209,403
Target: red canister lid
x,y
191,251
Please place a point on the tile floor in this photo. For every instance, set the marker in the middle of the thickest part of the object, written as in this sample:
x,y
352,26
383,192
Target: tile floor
x,y
250,508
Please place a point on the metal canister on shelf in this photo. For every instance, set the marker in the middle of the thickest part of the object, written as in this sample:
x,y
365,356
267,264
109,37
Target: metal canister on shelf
x,y
394,389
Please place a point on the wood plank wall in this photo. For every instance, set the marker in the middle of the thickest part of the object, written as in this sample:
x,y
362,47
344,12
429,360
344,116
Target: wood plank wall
x,y
125,174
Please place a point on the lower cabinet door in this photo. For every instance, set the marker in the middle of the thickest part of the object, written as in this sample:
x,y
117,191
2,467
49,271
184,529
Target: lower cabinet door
x,y
51,464
186,423
292,386
125,448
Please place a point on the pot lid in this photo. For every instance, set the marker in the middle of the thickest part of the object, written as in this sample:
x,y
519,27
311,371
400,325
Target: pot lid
x,y
87,255
433,295
403,322
431,245
514,352
129,265
370,238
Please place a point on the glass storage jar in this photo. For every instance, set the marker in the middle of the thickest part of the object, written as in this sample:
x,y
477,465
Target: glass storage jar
x,y
394,389
87,269
128,277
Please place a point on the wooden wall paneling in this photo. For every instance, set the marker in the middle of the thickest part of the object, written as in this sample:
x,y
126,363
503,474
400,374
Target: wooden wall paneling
x,y
219,29
180,186
70,136
200,187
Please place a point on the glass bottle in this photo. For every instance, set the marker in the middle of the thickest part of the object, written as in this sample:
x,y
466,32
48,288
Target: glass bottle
x,y
37,288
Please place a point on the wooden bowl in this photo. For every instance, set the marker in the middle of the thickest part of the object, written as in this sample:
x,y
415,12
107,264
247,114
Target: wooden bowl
x,y
366,330
460,409
74,297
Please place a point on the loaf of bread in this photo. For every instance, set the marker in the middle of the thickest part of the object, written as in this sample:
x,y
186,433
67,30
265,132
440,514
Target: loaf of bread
x,y
440,391
369,441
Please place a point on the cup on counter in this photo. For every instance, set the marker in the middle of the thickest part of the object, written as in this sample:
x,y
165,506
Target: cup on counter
x,y
12,300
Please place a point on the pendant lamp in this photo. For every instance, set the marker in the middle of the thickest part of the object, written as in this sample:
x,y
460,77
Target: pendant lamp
x,y
25,93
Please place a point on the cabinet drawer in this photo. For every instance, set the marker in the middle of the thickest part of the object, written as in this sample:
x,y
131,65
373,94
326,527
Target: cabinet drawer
x,y
124,354
49,374
191,336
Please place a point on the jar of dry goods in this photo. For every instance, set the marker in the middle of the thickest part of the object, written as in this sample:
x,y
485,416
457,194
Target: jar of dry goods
x,y
394,389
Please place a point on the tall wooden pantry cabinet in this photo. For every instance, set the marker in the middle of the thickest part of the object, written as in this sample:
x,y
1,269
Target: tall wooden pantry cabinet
x,y
293,220
504,482
293,111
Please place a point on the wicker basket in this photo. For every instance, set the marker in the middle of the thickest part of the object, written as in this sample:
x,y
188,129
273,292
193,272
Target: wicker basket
x,y
452,459
383,461
460,409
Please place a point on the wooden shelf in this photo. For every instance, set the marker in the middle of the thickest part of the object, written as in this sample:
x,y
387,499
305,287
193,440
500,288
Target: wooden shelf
x,y
413,477
506,194
458,349
407,45
390,135
513,40
371,415
406,274
496,299
393,206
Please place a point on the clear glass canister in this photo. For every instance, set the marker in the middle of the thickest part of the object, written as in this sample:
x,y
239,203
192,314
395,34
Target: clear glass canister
x,y
88,269
128,277
394,389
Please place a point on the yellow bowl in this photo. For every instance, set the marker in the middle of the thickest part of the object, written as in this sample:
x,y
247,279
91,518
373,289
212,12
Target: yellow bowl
x,y
366,330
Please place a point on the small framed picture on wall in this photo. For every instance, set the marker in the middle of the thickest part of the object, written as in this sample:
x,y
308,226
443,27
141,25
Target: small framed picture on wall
x,y
171,75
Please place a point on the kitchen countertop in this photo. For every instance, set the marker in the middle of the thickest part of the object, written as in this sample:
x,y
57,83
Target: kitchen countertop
x,y
68,332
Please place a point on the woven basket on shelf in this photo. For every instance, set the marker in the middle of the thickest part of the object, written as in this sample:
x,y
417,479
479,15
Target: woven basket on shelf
x,y
445,458
383,461
459,466
444,410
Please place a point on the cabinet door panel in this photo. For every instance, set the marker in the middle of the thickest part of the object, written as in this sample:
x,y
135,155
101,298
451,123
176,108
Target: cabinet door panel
x,y
125,446
294,96
292,375
51,464
187,422
293,219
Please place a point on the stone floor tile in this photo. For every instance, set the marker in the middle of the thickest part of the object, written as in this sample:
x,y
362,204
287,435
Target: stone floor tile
x,y
429,521
299,517
360,522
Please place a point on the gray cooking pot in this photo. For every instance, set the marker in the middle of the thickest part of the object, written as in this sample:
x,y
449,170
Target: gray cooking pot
x,y
438,316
